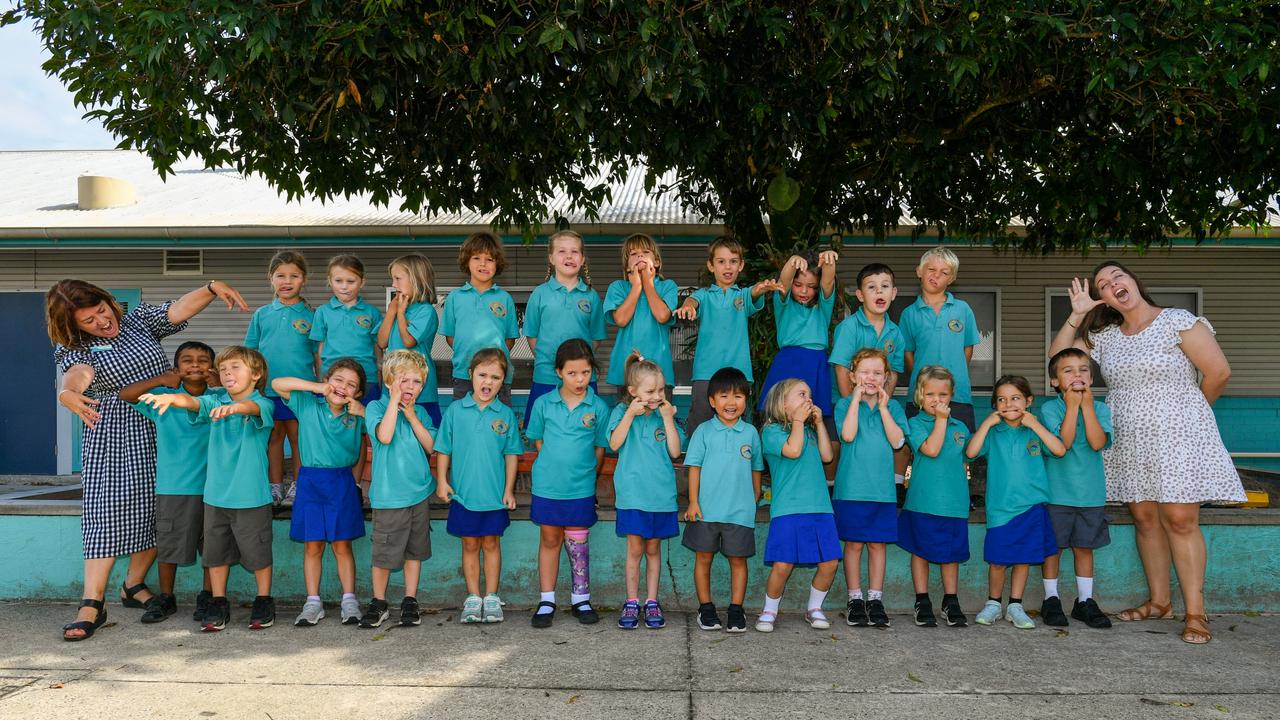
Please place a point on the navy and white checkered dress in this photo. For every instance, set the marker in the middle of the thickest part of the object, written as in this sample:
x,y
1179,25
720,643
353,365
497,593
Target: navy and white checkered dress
x,y
119,454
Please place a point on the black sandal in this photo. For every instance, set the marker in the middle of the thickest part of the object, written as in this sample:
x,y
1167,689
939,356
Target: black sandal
x,y
543,620
127,594
86,626
585,613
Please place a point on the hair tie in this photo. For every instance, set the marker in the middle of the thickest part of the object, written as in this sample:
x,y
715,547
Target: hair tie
x,y
639,357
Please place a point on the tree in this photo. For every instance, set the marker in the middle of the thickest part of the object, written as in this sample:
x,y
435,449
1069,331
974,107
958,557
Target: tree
x,y
1087,121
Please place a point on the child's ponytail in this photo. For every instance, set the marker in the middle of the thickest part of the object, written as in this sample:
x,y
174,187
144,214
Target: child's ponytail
x,y
636,368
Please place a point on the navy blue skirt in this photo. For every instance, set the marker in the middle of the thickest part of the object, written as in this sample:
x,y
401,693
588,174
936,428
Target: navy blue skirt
x,y
935,538
476,523
1025,540
805,540
280,410
327,506
580,512
866,521
807,364
648,525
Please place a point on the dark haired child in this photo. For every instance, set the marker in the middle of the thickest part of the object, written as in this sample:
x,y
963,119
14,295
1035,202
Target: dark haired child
x,y
479,314
802,315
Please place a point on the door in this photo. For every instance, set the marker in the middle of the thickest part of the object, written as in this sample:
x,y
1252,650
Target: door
x,y
28,418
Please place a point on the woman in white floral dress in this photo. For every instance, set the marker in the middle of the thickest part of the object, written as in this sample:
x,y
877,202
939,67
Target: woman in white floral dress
x,y
1166,457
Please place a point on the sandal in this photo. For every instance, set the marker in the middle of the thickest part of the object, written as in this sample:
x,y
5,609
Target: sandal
x,y
127,596
86,626
1195,631
1147,611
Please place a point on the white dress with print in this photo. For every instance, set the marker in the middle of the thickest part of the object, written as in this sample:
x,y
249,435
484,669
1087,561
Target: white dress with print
x,y
1166,446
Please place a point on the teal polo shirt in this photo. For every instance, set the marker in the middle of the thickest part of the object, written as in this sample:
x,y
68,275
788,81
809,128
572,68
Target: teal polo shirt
x,y
423,325
556,313
566,464
722,330
801,325
348,332
799,484
1076,479
1016,480
939,338
237,473
855,333
727,454
644,332
182,447
477,320
939,485
477,440
325,440
644,478
865,470
401,473
282,333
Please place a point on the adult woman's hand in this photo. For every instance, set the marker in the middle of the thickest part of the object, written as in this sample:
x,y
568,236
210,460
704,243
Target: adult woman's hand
x,y
83,406
228,295
191,304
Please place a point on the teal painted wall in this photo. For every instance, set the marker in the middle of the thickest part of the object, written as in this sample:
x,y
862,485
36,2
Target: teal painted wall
x,y
42,561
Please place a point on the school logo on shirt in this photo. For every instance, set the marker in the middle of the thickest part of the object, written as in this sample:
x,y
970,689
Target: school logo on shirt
x,y
499,427
584,306
888,347
302,326
498,309
737,303
1033,448
958,437
660,434
955,325
349,421
589,420
745,451
364,321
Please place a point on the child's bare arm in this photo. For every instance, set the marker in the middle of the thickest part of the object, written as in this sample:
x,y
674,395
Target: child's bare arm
x,y
827,271
693,513
1093,431
163,402
131,392
1050,440
386,430
932,445
444,490
286,386
794,264
509,492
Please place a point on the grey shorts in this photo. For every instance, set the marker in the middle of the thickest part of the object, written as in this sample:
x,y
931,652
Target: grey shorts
x,y
462,387
237,535
179,528
1079,527
401,534
725,538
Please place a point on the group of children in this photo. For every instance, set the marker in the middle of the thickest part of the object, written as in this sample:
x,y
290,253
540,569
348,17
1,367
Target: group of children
x,y
346,376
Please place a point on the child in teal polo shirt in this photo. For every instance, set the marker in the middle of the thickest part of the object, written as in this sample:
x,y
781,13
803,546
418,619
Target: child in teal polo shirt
x,y
479,314
722,311
1077,486
402,436
725,461
237,494
569,429
182,461
347,326
642,305
938,329
802,527
481,432
411,322
643,431
802,317
1019,532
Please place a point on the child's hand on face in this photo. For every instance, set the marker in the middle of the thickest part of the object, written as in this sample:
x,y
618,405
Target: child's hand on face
x,y
1030,420
667,410
941,409
355,408
994,419
636,407
1072,398
393,305
828,257
171,378
883,402
856,394
1086,395
799,413
211,378
815,414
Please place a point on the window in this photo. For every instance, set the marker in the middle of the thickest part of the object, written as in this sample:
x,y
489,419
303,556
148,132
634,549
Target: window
x,y
984,367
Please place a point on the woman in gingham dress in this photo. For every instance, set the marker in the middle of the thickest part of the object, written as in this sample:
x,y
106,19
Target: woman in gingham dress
x,y
100,350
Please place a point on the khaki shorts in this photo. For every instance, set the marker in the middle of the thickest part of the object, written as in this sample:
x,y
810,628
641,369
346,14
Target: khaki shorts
x,y
179,528
237,535
401,534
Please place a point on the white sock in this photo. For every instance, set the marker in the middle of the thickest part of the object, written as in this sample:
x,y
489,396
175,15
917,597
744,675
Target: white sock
x,y
575,598
899,479
855,593
276,486
1084,587
348,596
310,598
546,597
771,604
816,597
1050,587
875,594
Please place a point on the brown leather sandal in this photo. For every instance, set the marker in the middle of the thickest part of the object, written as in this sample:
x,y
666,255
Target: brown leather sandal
x,y
1195,631
1147,611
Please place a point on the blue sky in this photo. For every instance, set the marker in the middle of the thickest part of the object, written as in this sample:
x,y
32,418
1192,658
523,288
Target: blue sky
x,y
38,112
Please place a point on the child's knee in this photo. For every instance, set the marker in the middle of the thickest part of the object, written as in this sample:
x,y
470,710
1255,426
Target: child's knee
x,y
491,543
551,537
470,545
342,549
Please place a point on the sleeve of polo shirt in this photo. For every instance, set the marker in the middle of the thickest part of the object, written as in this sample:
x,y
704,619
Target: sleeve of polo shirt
x,y
602,430
423,324
897,359
1051,416
534,429
757,450
252,336
296,400
842,345
772,438
613,297
754,304
149,412
513,329
827,303
444,438
971,334
696,453
615,417
1103,411
986,445
908,331
837,414
597,318
377,321
898,414
446,323
918,430
680,434
207,403
266,413
700,296
373,413
512,444
670,293
319,327
533,314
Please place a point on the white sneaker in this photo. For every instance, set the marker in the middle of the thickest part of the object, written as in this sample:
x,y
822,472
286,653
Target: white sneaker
x,y
277,494
290,495
765,622
312,613
816,619
472,610
989,613
350,611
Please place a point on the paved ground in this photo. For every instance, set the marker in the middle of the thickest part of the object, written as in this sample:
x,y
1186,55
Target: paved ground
x,y
446,670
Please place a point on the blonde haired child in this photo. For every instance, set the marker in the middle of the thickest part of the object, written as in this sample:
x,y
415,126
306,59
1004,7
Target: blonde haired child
x,y
939,329
347,326
641,306
411,322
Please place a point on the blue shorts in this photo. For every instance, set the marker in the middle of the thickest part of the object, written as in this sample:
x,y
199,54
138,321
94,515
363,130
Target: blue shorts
x,y
580,512
372,391
866,521
327,506
648,525
280,410
805,540
935,538
433,410
537,390
807,364
1025,540
476,523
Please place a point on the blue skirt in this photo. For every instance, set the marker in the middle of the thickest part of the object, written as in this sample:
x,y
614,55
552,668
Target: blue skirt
x,y
580,512
805,540
866,521
648,525
280,410
476,523
935,538
1025,540
807,364
327,506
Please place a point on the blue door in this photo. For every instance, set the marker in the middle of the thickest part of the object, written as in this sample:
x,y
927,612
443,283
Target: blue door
x,y
28,421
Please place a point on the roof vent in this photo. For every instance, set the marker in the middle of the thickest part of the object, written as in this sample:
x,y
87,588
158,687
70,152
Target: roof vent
x,y
183,262
95,192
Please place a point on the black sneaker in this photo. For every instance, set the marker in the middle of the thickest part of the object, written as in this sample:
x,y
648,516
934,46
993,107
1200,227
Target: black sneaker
x,y
409,613
955,616
217,615
543,620
375,614
1092,615
586,614
202,605
263,614
708,619
856,613
924,614
159,607
737,620
876,613
1051,612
